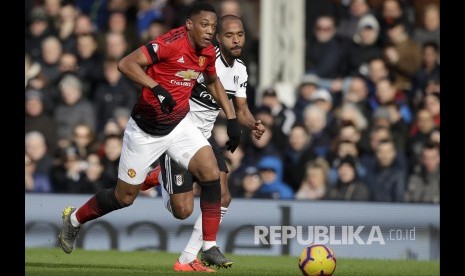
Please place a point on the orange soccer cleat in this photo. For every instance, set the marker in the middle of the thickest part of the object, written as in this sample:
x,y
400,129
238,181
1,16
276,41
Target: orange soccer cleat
x,y
195,265
151,180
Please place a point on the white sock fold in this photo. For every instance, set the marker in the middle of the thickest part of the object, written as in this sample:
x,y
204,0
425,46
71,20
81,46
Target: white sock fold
x,y
73,218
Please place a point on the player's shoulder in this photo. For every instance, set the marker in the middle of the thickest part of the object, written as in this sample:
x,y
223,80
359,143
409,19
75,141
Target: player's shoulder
x,y
210,51
172,37
241,67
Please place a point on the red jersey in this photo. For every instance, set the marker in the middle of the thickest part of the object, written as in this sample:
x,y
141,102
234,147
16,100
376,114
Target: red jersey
x,y
177,68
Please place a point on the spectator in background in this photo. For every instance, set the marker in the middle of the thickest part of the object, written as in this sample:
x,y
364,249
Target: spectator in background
x,y
349,113
296,155
424,183
430,31
323,99
255,149
386,93
349,24
36,149
35,182
90,62
324,53
377,70
66,173
116,91
38,29
364,46
51,53
392,10
92,179
111,154
251,183
156,28
284,117
308,86
402,54
84,141
429,71
432,103
121,116
37,120
31,70
357,94
118,23
386,179
399,129
73,110
116,46
315,123
314,183
146,13
84,26
66,24
425,127
343,149
349,187
271,171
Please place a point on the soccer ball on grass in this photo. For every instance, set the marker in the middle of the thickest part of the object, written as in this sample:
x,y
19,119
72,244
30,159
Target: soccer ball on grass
x,y
317,260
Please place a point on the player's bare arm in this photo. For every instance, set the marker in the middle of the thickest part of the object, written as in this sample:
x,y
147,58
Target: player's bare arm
x,y
246,118
132,67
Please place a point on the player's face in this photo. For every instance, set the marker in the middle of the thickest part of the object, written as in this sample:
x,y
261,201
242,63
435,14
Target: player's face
x,y
201,28
232,38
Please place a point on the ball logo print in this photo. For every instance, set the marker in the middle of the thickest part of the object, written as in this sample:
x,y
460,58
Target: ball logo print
x,y
317,260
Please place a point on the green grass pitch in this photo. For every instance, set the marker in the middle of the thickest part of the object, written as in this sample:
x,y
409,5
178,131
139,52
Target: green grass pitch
x,y
52,261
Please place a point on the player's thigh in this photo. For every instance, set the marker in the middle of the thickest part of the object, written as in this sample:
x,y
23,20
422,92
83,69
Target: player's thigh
x,y
139,151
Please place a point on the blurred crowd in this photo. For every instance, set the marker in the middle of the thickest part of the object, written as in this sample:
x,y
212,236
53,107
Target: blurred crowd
x,y
365,125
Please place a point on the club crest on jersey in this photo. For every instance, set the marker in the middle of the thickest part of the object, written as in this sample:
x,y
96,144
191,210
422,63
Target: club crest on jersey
x,y
201,61
155,47
179,179
188,74
236,79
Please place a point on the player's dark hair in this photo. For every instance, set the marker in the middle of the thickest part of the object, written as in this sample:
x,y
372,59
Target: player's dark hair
x,y
226,18
198,7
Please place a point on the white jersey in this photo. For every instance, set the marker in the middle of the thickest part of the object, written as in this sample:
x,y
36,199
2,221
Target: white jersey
x,y
203,108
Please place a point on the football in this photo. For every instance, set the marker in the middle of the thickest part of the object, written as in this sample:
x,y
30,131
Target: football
x,y
317,260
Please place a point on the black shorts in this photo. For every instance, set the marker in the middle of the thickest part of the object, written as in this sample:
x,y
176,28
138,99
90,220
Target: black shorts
x,y
178,180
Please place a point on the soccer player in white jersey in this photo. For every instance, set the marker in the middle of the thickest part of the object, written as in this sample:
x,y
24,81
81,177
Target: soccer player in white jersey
x,y
176,181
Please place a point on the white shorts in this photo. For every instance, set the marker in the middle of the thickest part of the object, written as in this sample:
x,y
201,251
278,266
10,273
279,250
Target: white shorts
x,y
140,149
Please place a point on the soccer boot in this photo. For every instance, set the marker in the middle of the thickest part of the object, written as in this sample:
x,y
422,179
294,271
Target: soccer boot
x,y
68,233
151,180
195,265
213,256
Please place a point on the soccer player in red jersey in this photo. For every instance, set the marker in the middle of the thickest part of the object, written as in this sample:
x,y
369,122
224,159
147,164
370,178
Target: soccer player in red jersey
x,y
158,124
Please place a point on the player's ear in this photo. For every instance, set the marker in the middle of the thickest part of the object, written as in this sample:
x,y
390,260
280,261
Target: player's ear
x,y
217,37
189,24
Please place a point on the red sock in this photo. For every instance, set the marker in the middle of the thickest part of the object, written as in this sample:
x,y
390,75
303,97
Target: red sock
x,y
210,204
100,204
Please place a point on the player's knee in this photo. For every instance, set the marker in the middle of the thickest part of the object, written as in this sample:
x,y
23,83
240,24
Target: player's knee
x,y
127,198
182,212
208,172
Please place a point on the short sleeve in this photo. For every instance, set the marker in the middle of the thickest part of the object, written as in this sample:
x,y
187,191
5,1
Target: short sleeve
x,y
242,86
154,50
211,69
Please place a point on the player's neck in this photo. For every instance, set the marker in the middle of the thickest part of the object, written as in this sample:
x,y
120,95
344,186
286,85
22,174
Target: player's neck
x,y
229,60
192,43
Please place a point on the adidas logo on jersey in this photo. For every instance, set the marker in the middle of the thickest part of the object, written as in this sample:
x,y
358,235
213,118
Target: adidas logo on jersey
x,y
181,59
161,98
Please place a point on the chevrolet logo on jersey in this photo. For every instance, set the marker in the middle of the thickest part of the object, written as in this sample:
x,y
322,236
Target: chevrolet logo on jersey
x,y
188,75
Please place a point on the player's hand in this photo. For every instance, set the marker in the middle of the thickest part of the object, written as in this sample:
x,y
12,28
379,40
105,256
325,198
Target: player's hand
x,y
234,134
165,99
258,129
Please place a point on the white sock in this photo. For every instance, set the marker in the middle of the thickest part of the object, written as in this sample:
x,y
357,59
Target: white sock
x,y
73,218
208,244
195,242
